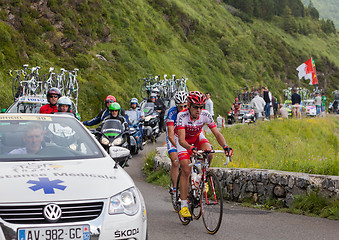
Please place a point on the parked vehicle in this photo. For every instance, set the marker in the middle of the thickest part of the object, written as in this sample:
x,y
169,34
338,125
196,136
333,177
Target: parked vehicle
x,y
113,134
334,107
311,110
52,190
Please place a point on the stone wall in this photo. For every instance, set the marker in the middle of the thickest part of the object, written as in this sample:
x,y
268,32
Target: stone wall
x,y
261,184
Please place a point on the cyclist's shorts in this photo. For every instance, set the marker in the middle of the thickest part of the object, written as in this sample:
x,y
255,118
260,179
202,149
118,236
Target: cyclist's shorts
x,y
197,142
170,147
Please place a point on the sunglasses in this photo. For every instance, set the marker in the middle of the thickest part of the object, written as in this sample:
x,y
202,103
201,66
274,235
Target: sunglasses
x,y
198,107
182,106
114,110
53,96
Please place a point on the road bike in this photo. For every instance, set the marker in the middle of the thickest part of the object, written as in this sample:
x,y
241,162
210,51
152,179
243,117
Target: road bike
x,y
17,89
32,84
205,196
72,84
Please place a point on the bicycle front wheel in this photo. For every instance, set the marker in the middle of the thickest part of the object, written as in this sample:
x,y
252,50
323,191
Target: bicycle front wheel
x,y
211,203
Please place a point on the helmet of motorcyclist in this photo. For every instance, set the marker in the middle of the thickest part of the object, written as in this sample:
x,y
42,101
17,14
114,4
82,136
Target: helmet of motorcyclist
x,y
180,97
114,107
196,97
110,99
134,101
64,101
53,91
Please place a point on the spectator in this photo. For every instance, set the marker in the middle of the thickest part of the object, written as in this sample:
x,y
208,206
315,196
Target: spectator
x,y
209,104
318,103
268,98
282,112
258,104
296,100
323,102
275,106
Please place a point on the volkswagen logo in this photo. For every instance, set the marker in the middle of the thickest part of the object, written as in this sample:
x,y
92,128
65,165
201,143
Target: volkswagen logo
x,y
52,212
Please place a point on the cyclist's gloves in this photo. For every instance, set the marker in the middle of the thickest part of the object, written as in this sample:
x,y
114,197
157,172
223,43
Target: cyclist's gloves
x,y
228,150
190,152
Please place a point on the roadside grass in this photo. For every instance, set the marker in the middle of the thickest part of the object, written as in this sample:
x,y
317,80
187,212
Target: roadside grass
x,y
308,145
160,176
312,204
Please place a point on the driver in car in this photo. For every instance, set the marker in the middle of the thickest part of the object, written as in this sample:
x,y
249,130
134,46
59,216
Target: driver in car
x,y
33,138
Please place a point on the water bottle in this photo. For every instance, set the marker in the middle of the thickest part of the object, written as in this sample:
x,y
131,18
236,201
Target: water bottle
x,y
194,177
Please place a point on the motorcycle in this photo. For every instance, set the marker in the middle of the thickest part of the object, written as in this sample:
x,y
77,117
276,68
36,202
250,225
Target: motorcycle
x,y
136,135
113,136
151,124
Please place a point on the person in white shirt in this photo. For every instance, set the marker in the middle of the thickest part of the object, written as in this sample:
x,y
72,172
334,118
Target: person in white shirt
x,y
209,104
258,105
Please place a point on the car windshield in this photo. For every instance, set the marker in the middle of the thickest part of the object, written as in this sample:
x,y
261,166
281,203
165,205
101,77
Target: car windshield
x,y
40,137
309,103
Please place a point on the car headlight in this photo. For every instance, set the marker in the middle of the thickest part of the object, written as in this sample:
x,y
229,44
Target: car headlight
x,y
124,202
117,141
104,141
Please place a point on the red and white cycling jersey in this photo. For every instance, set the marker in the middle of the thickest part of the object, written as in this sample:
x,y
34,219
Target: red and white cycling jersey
x,y
194,128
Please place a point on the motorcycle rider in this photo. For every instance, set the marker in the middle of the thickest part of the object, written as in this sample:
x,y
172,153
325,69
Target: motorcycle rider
x,y
159,107
180,99
133,115
53,95
115,110
103,113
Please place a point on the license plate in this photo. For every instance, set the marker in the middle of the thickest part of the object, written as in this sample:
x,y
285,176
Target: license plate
x,y
55,233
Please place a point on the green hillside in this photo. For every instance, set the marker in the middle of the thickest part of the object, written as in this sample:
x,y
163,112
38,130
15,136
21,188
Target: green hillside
x,y
328,9
201,40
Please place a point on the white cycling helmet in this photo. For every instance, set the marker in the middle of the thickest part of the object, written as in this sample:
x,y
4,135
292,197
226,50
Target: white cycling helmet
x,y
180,97
64,101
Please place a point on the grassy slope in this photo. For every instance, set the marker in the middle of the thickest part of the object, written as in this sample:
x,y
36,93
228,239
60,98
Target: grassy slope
x,y
307,145
200,40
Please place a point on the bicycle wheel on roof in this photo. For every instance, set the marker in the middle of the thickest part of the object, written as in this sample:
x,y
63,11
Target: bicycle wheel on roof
x,y
211,203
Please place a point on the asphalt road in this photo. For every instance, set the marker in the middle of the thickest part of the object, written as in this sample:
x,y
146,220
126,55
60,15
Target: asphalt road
x,y
238,222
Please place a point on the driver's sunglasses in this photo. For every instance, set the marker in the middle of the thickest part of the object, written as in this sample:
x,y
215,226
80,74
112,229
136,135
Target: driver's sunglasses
x,y
53,96
197,107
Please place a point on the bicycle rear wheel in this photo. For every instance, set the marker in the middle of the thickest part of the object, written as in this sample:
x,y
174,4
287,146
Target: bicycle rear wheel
x,y
211,203
16,88
184,221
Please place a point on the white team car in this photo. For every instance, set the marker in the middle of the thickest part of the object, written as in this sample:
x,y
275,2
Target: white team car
x,y
58,183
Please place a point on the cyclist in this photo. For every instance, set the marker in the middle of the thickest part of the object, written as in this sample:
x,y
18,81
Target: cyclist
x,y
104,113
190,138
180,99
53,95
